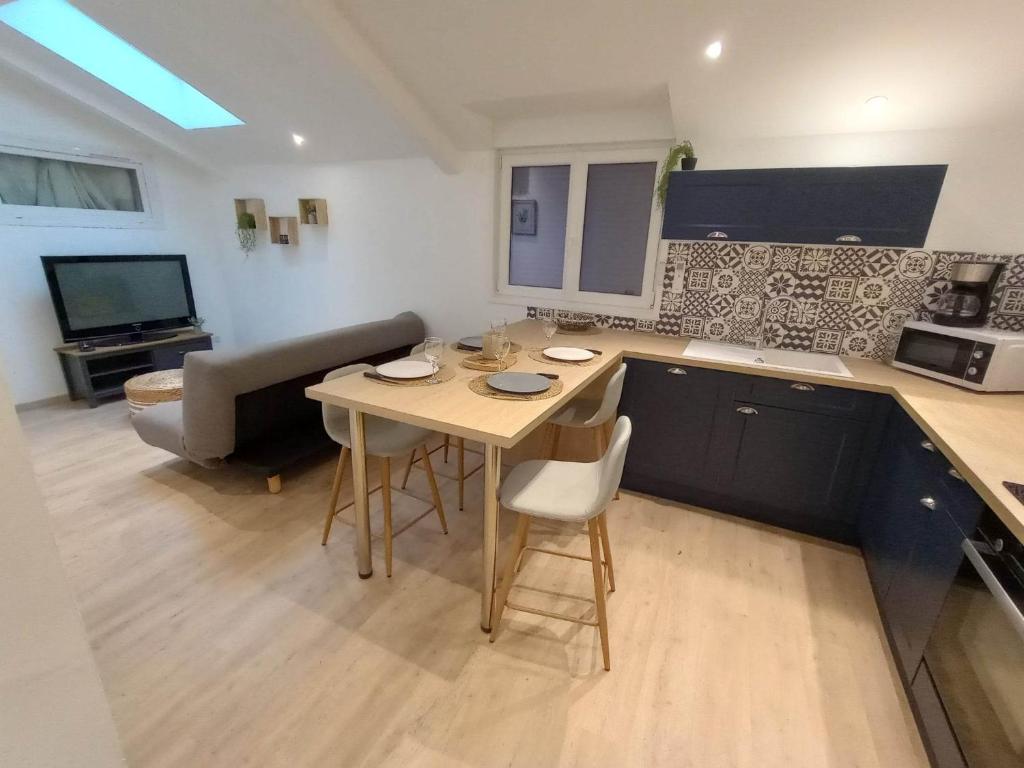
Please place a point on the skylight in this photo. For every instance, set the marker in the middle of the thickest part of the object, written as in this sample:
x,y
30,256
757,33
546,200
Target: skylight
x,y
65,30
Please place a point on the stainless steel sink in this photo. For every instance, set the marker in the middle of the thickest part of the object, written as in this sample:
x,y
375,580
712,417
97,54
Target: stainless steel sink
x,y
778,359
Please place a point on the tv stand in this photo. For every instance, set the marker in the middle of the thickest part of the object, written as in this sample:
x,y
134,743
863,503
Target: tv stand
x,y
134,338
100,373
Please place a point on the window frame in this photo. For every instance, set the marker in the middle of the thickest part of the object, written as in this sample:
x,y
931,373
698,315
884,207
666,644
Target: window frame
x,y
569,295
51,216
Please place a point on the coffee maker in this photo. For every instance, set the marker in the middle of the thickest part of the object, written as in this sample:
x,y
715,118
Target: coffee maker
x,y
966,303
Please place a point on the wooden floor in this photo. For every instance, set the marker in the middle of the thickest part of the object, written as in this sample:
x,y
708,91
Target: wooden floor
x,y
227,636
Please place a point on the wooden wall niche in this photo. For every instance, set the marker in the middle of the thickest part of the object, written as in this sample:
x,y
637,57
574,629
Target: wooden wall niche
x,y
315,205
287,226
253,205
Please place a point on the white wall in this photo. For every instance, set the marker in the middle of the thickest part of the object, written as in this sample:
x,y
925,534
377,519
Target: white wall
x,y
53,710
402,235
981,207
28,327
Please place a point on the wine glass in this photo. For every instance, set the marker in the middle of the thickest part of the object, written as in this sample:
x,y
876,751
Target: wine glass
x,y
504,347
500,327
550,328
433,350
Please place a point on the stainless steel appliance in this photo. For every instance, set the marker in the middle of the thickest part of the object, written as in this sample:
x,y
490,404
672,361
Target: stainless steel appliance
x,y
983,359
967,301
974,661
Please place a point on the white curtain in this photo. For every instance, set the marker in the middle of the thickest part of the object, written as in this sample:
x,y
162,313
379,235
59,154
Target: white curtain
x,y
26,180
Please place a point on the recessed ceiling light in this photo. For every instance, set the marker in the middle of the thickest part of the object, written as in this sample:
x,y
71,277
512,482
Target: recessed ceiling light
x,y
69,33
714,50
299,140
876,102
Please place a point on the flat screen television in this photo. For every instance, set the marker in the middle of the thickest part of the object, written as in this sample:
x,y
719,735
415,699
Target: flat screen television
x,y
111,296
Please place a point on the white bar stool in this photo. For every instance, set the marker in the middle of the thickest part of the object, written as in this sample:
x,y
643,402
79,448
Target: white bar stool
x,y
386,440
460,446
566,491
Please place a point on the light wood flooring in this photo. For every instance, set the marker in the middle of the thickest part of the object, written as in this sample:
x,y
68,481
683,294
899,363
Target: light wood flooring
x,y
227,636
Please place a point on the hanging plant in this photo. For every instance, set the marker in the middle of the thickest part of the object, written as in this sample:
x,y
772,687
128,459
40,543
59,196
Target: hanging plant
x,y
246,232
681,154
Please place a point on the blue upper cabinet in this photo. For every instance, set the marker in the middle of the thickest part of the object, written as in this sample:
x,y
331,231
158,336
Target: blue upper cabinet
x,y
875,205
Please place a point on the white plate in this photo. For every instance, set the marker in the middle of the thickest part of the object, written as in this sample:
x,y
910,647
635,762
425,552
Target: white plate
x,y
569,354
406,369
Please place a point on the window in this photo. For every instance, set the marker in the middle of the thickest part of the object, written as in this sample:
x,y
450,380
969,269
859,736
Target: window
x,y
579,228
45,188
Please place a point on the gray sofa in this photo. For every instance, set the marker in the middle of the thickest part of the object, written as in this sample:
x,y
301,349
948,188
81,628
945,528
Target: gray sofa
x,y
248,406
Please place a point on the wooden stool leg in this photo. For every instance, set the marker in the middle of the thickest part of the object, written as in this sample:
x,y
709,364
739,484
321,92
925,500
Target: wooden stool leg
x,y
447,443
501,595
602,616
335,489
462,473
433,488
385,491
554,441
522,543
602,526
274,483
408,469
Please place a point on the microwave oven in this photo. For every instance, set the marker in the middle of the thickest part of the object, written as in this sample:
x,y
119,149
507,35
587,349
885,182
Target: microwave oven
x,y
982,359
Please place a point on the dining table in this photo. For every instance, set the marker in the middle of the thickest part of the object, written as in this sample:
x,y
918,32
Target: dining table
x,y
452,407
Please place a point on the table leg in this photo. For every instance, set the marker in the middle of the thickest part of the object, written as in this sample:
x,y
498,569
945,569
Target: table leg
x,y
359,494
492,483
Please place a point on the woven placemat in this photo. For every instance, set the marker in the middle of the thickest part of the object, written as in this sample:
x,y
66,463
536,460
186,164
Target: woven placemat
x,y
480,386
454,346
480,363
444,373
591,331
540,357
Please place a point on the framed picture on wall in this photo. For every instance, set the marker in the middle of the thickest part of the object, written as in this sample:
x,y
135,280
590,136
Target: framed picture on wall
x,y
524,217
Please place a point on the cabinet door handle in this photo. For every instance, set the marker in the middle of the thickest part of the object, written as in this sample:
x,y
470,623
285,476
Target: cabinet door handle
x,y
928,445
801,387
677,371
956,475
929,502
746,410
716,235
849,239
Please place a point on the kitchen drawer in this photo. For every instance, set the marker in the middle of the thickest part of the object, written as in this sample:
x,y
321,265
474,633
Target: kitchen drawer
x,y
811,398
166,358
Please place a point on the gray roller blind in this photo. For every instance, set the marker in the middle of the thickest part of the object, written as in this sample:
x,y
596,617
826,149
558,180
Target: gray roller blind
x,y
615,227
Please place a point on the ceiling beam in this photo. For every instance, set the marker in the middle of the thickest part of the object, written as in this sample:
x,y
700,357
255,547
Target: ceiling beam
x,y
406,106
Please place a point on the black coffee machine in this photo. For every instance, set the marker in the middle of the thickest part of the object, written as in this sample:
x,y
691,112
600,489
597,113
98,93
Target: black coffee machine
x,y
966,303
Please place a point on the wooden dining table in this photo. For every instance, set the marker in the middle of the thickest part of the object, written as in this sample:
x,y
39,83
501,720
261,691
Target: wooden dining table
x,y
451,407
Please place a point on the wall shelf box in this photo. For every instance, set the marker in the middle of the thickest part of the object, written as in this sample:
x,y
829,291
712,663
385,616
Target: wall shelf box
x,y
286,227
253,205
316,205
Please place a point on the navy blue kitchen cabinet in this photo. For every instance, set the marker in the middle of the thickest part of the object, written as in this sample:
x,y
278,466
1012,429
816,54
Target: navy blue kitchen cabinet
x,y
781,452
673,409
915,517
873,205
793,469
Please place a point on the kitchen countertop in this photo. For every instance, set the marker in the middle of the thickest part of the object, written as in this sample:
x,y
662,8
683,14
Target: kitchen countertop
x,y
981,434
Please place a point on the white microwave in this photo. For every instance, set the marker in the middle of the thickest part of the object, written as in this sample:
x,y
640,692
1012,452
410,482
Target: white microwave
x,y
983,359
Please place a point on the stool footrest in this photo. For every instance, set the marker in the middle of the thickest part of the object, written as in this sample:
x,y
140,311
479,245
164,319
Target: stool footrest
x,y
550,614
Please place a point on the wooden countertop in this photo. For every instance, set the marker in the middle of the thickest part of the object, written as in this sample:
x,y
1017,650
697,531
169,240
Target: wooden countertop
x,y
981,434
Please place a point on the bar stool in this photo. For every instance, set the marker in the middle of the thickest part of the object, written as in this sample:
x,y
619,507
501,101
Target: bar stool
x,y
460,446
566,491
386,440
584,413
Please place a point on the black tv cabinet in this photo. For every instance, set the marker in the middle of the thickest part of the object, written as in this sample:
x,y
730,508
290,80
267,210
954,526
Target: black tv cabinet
x,y
100,373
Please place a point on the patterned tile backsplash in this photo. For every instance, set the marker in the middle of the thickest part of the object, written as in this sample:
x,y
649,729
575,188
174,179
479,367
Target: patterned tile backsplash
x,y
849,300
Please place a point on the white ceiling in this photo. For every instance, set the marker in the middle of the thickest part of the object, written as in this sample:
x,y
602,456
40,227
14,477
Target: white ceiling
x,y
366,79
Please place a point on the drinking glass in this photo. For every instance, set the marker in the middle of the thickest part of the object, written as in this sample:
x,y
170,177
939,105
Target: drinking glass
x,y
433,350
500,326
550,328
504,347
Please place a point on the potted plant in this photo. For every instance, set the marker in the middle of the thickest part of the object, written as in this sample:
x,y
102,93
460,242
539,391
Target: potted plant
x,y
681,154
246,231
